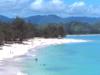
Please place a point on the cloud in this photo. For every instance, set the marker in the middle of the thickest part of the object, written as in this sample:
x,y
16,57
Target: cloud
x,y
51,6
59,7
78,8
12,8
37,5
82,9
47,7
78,4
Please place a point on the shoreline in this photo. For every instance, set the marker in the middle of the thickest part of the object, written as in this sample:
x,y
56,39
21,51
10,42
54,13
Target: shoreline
x,y
11,53
14,50
83,35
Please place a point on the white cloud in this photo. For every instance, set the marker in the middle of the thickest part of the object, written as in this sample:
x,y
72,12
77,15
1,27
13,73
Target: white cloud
x,y
77,8
49,6
13,8
78,4
57,7
60,8
57,2
37,4
82,9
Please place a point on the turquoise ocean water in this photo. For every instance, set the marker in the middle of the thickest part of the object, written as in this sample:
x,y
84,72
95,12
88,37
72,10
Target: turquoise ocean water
x,y
67,59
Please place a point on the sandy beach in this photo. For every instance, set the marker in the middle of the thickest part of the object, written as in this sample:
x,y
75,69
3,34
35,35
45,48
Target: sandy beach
x,y
10,54
14,50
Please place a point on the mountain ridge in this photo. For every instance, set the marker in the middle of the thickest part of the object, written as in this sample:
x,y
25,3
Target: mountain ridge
x,y
45,19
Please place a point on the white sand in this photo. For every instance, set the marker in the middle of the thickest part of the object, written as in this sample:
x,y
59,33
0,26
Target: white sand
x,y
10,66
14,50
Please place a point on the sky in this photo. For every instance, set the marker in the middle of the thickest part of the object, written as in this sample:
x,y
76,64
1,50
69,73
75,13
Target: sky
x,y
63,8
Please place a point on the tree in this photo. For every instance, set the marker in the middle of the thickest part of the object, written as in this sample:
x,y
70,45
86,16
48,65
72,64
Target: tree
x,y
1,33
19,28
31,30
78,28
53,30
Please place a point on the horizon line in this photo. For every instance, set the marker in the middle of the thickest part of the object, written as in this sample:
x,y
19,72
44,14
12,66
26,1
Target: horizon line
x,y
48,15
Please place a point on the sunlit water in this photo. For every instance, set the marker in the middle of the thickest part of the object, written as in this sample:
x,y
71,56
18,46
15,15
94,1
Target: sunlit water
x,y
66,59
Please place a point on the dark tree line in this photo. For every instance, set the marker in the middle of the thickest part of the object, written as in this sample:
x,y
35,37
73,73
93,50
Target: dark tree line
x,y
53,30
19,30
82,28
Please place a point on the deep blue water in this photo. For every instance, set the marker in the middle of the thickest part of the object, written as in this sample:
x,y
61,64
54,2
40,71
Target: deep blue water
x,y
67,59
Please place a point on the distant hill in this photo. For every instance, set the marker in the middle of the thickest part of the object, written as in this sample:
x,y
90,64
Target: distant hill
x,y
44,19
4,19
53,19
56,19
83,19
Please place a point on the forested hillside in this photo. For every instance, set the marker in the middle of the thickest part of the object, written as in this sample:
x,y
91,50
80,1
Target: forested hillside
x,y
19,29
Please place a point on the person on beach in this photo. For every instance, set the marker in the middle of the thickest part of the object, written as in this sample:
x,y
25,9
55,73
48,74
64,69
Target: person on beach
x,y
36,59
11,52
44,64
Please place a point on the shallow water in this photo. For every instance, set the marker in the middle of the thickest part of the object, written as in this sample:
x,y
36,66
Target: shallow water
x,y
66,59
